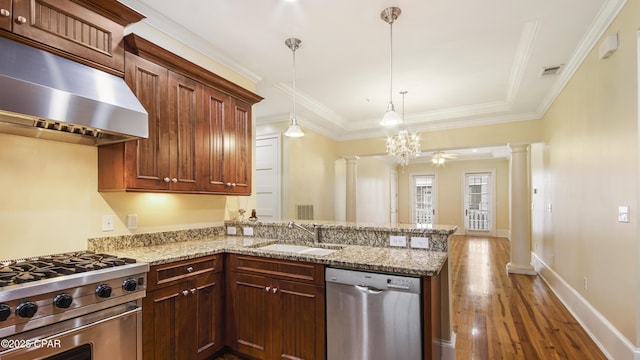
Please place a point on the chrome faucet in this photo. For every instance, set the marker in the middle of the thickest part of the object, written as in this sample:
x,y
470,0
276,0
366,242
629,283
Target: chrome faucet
x,y
313,233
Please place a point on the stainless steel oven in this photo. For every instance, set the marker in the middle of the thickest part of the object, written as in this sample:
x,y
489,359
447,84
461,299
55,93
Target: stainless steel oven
x,y
90,315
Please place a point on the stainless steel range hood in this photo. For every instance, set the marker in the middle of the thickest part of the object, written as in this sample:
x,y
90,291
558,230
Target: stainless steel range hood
x,y
47,96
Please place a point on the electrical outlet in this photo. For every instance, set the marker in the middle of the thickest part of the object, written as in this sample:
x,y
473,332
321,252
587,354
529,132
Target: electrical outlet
x,y
231,230
132,221
400,241
107,222
418,242
247,231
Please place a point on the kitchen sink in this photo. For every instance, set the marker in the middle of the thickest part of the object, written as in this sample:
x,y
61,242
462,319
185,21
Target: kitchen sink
x,y
302,249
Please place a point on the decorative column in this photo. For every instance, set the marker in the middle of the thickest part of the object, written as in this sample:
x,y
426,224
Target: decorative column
x,y
352,188
520,216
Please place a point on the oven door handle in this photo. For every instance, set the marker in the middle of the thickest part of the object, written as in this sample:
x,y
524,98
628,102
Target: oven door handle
x,y
67,330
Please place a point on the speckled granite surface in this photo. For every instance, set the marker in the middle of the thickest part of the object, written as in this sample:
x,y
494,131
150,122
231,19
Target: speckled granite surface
x,y
359,246
363,234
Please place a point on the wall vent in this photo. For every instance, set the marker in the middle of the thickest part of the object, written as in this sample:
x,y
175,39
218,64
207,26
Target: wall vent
x,y
305,212
551,70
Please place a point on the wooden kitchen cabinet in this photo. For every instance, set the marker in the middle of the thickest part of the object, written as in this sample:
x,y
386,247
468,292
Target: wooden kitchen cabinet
x,y
86,31
167,160
228,127
200,138
183,310
275,308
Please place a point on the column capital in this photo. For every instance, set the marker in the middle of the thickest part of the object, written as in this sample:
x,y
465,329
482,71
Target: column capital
x,y
518,147
351,158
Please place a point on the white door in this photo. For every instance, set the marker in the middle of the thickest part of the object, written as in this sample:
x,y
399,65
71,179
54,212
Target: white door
x,y
423,199
267,180
478,202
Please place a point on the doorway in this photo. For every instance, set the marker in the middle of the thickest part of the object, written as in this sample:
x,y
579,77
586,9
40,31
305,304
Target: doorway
x,y
479,204
423,199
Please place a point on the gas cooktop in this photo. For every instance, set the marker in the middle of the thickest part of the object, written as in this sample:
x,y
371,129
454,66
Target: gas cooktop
x,y
21,271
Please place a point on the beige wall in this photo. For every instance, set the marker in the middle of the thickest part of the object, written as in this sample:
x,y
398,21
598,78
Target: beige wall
x,y
374,190
50,203
450,179
591,167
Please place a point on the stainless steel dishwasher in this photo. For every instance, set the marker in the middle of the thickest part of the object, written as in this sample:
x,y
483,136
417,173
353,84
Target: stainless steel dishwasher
x,y
372,316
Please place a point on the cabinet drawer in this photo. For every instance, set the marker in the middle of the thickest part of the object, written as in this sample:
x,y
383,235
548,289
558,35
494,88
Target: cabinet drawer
x,y
167,274
280,269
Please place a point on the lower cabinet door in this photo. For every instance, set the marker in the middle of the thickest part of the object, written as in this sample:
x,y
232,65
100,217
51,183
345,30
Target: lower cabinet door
x,y
159,319
251,298
205,304
299,325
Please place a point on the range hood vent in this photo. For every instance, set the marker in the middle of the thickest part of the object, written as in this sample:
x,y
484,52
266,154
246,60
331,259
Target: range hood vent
x,y
46,96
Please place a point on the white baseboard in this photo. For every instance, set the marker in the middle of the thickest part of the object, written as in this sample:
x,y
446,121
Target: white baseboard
x,y
610,340
504,233
448,348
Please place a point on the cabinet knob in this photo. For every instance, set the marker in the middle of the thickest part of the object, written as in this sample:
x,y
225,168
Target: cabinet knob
x,y
190,269
193,290
5,12
233,184
185,292
274,290
268,288
166,179
21,20
174,180
228,184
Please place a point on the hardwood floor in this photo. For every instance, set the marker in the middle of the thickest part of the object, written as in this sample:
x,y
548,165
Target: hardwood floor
x,y
500,316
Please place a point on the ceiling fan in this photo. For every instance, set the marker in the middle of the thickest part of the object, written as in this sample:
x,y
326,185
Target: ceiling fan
x,y
439,158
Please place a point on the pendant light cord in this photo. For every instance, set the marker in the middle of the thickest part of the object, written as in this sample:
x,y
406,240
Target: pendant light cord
x,y
391,62
295,121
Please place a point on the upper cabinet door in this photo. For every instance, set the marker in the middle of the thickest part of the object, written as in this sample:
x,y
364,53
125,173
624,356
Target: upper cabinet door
x,y
239,140
6,9
185,141
147,160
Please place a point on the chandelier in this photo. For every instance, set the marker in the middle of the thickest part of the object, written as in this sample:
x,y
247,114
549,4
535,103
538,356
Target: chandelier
x,y
404,144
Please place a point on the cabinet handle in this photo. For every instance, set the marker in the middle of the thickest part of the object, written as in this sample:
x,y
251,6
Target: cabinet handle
x,y
275,290
190,269
5,12
193,290
174,180
233,184
166,179
21,20
185,292
267,288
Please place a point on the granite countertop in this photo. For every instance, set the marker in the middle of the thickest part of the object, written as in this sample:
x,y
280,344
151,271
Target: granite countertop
x,y
392,260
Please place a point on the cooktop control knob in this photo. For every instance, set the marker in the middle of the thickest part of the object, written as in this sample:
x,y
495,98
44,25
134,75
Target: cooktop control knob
x,y
103,291
129,285
62,301
5,311
26,309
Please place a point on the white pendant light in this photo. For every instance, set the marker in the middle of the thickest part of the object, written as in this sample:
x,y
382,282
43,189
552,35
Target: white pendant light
x,y
391,117
294,129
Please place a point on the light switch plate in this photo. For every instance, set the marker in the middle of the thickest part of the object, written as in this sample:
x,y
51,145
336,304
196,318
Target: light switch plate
x,y
623,213
247,231
132,221
400,241
107,223
231,230
418,242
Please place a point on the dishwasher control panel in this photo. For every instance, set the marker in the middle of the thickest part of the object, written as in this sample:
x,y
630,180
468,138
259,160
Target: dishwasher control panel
x,y
373,281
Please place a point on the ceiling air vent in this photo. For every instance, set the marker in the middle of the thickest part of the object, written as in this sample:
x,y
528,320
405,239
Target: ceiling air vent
x,y
551,71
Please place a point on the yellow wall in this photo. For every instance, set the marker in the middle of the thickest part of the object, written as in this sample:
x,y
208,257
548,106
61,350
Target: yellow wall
x,y
591,167
50,203
450,178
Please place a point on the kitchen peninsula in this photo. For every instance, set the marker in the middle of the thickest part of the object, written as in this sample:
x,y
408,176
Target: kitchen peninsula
x,y
205,280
